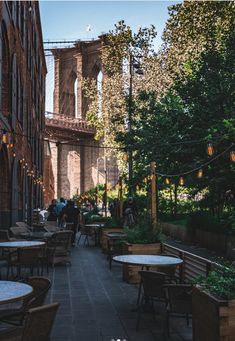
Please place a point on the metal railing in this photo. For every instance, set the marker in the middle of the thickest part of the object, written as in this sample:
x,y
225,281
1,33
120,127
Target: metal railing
x,y
72,123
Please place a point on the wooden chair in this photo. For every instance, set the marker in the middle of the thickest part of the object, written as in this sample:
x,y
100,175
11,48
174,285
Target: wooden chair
x,y
153,290
41,286
37,327
179,302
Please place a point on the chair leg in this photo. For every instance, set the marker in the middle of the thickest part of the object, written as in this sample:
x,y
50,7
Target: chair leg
x,y
79,239
168,324
139,311
187,319
139,294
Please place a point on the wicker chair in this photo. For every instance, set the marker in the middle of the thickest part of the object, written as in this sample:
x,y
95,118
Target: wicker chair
x,y
179,302
58,249
37,327
41,286
28,258
5,237
23,224
86,232
153,290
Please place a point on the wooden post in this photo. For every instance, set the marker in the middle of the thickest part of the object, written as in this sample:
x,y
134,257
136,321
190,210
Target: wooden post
x,y
120,197
153,194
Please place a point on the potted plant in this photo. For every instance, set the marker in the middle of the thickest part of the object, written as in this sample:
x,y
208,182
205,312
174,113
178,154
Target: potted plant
x,y
141,239
111,225
213,302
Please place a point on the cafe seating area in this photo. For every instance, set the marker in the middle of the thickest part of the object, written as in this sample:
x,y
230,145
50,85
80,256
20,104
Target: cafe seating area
x,y
95,302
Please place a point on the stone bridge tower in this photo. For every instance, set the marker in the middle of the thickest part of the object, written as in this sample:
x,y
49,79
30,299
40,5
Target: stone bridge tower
x,y
77,160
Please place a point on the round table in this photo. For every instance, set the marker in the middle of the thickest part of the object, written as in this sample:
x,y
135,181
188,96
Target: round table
x,y
13,291
21,244
148,260
145,261
116,235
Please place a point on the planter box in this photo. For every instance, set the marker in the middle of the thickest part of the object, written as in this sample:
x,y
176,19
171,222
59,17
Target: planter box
x,y
213,319
104,239
129,272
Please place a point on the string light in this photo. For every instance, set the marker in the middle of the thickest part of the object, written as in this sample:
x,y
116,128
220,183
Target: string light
x,y
167,181
181,181
232,156
200,173
210,149
4,137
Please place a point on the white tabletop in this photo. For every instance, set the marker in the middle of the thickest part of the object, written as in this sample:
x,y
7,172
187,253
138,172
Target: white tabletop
x,y
147,260
13,291
21,244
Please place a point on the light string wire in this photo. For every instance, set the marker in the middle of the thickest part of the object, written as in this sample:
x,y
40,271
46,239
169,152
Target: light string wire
x,y
198,167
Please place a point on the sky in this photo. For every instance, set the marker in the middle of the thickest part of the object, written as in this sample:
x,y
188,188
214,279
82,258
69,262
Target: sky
x,y
70,20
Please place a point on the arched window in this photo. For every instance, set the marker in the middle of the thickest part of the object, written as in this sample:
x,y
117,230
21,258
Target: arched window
x,y
4,188
76,97
13,90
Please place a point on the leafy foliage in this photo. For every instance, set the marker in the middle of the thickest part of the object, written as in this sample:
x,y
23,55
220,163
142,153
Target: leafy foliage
x,y
143,232
219,282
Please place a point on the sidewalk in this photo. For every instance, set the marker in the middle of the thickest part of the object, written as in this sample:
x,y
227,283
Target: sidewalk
x,y
96,305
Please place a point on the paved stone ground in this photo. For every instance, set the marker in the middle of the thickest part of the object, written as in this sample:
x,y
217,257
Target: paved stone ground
x,y
96,305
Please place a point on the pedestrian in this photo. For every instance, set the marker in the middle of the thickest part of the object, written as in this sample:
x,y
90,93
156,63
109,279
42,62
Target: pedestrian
x,y
52,209
70,214
60,205
129,212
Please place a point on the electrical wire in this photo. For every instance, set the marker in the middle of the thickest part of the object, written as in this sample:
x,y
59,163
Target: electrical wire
x,y
198,167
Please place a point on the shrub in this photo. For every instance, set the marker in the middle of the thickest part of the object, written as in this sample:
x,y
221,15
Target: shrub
x,y
204,220
143,233
219,282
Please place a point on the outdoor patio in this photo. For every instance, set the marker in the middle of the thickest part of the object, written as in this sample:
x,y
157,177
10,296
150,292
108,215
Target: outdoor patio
x,y
96,305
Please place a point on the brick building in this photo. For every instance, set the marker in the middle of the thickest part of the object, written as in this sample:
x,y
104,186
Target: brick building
x,y
22,101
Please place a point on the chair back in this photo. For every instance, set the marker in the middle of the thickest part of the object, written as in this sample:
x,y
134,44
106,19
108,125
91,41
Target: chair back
x,y
39,322
179,297
153,283
4,235
41,286
63,239
23,224
50,228
29,256
169,270
19,231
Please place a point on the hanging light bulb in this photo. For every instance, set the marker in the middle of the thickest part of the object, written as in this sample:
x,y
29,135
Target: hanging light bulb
x,y
14,154
167,181
200,173
210,149
4,137
181,181
232,155
125,157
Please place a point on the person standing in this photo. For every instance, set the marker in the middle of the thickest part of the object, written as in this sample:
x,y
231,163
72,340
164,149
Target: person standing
x,y
60,205
70,214
52,209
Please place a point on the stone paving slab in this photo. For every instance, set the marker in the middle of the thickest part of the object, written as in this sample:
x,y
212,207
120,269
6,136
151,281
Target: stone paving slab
x,y
96,305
